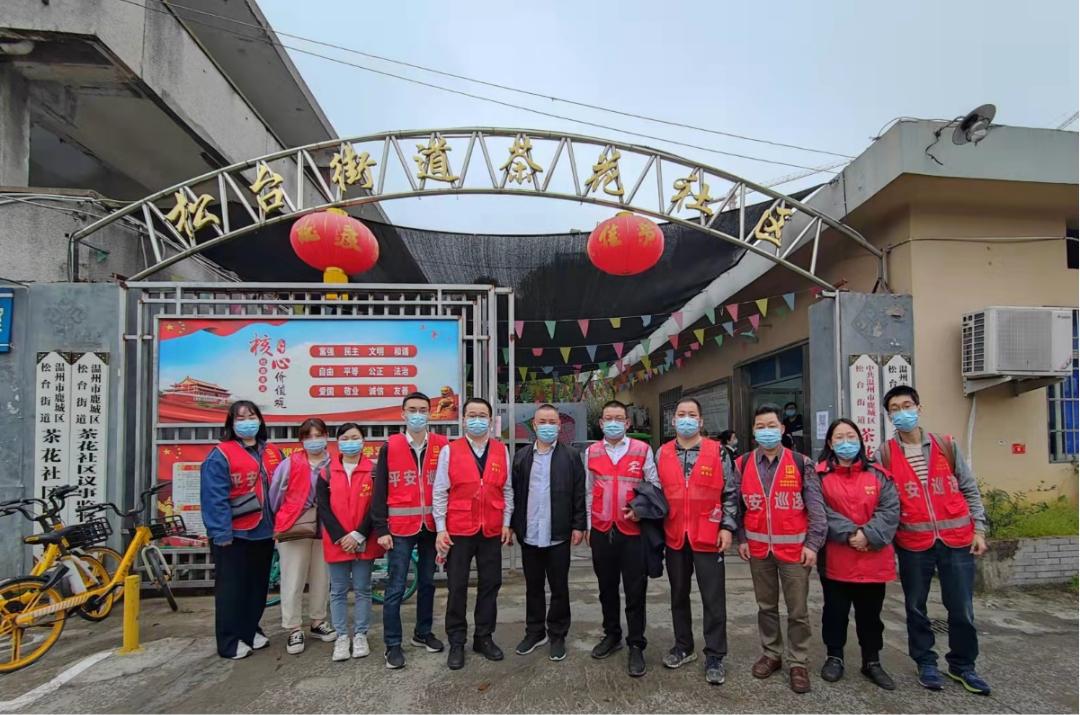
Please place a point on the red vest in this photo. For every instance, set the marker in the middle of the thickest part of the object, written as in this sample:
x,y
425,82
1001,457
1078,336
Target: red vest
x,y
854,493
775,521
244,474
613,485
476,501
296,493
349,502
694,503
408,494
925,515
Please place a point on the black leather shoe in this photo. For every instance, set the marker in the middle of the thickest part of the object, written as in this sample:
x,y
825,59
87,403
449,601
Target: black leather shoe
x,y
606,647
456,659
876,673
833,669
488,649
636,663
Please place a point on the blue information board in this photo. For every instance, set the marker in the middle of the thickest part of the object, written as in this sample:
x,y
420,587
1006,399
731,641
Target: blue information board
x,y
7,300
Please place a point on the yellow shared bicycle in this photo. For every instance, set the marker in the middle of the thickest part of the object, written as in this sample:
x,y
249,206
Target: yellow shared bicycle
x,y
33,609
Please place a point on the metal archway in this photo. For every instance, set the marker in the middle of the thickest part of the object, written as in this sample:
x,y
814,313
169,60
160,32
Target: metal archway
x,y
181,222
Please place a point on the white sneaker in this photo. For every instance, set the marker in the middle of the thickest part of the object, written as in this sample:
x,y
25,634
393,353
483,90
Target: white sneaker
x,y
259,641
243,650
295,644
360,646
341,649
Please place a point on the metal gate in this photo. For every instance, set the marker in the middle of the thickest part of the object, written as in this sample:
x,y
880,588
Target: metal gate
x,y
479,308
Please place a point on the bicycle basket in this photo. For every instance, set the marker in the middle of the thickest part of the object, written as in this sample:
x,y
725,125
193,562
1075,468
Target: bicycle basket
x,y
96,531
168,526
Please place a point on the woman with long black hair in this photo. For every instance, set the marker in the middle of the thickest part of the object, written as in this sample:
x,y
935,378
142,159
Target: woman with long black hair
x,y
863,511
234,488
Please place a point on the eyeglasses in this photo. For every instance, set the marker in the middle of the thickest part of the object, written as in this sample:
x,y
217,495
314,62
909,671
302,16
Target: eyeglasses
x,y
906,405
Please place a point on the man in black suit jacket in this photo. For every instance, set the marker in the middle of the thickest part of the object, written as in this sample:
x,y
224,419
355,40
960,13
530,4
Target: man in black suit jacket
x,y
549,517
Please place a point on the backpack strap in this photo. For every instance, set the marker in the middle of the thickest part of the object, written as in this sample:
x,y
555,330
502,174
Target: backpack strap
x,y
885,455
948,448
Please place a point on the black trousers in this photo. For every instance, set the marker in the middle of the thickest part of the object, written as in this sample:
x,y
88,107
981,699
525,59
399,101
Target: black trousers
x,y
241,580
616,555
488,554
681,565
867,598
551,564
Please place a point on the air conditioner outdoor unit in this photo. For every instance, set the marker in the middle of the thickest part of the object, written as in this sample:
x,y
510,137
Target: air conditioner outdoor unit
x,y
1017,342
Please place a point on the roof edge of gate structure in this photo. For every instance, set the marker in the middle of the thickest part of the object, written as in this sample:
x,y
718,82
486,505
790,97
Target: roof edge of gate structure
x,y
262,192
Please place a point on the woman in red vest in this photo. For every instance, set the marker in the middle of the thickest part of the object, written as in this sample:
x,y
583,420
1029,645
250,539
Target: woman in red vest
x,y
863,510
233,483
344,498
296,529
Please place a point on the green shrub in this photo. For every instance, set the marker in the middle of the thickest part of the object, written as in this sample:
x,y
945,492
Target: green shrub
x,y
1012,516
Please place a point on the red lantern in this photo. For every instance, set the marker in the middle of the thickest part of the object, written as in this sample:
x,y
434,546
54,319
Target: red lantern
x,y
625,244
335,243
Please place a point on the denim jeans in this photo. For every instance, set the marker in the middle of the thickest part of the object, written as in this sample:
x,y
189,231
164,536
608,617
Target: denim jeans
x,y
397,564
356,574
956,572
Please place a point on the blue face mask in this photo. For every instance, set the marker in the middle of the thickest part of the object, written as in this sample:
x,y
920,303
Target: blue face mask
x,y
246,429
848,449
905,420
477,426
687,426
614,429
315,445
767,437
416,421
547,433
350,446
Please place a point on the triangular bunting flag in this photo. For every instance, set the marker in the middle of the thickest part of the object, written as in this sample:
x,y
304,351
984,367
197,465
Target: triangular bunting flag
x,y
645,320
710,313
674,340
591,349
733,310
678,362
519,327
677,317
577,367
670,356
616,322
719,341
537,352
565,354
755,320
700,335
603,367
762,305
729,327
645,345
789,298
506,356
618,349
647,362
550,325
695,346
524,372
547,369
584,325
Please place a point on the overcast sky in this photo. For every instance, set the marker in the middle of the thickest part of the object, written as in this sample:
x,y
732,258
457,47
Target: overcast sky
x,y
826,75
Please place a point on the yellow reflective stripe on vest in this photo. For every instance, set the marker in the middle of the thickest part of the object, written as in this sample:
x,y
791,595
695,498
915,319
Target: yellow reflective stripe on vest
x,y
777,538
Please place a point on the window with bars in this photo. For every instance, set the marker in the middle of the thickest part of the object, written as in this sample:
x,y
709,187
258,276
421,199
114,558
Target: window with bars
x,y
1063,402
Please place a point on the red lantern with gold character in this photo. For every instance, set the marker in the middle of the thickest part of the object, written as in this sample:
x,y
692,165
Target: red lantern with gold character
x,y
335,243
625,244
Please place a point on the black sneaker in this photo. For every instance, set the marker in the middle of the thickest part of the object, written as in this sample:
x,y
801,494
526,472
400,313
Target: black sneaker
x,y
530,643
487,648
557,650
714,670
394,657
456,659
433,644
606,647
833,669
636,662
876,673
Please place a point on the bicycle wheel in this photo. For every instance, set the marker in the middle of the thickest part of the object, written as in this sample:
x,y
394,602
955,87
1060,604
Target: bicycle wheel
x,y
412,580
110,559
157,575
380,578
22,645
98,609
275,580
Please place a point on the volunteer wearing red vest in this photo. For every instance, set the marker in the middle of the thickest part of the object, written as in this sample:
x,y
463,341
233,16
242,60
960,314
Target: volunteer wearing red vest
x,y
292,502
233,484
942,522
703,506
402,520
863,510
473,500
615,466
783,528
344,495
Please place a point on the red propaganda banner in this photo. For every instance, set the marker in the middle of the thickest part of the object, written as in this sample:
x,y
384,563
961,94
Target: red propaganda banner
x,y
342,369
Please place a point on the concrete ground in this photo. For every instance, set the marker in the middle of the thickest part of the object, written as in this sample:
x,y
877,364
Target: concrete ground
x,y
1028,642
